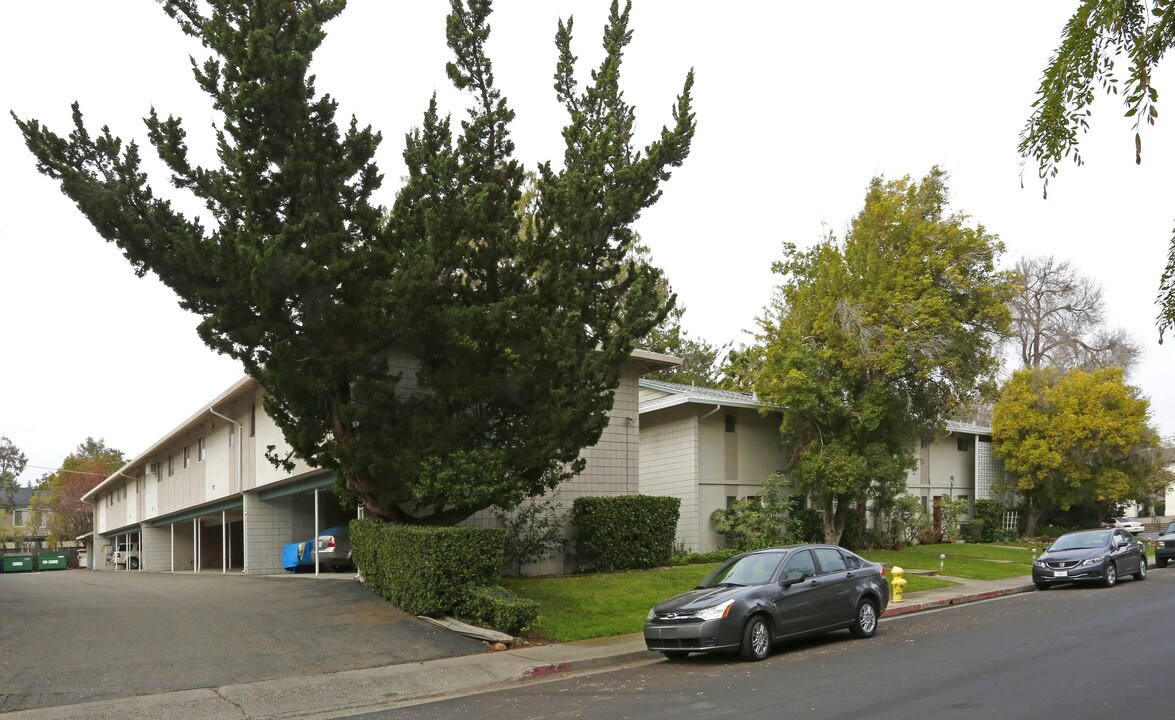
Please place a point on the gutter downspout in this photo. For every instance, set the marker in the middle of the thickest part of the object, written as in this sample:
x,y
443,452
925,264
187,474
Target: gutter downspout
x,y
716,409
240,443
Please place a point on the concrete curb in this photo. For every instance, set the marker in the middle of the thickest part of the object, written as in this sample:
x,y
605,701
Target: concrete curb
x,y
906,609
592,663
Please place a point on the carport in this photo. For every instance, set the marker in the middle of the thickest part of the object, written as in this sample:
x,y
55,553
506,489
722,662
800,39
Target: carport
x,y
311,505
129,537
210,538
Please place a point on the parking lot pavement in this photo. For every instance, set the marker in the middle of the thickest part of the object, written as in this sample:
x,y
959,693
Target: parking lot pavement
x,y
78,636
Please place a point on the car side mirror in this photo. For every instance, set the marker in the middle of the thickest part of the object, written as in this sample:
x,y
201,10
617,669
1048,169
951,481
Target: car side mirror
x,y
790,578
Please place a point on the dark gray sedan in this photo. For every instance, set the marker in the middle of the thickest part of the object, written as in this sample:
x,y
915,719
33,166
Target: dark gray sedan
x,y
1100,556
1165,546
753,600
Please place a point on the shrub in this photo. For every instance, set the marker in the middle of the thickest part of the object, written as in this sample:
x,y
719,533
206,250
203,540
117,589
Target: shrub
x,y
626,532
534,532
989,514
714,556
855,534
758,522
425,570
907,520
811,525
498,608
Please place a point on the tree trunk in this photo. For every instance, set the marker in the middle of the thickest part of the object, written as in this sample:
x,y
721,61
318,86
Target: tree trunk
x,y
834,522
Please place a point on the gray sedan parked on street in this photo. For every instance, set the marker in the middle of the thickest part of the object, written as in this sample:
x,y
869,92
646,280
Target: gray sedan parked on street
x,y
1090,556
753,600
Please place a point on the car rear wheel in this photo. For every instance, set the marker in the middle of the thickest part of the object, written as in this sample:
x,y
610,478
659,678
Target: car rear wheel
x,y
1111,575
1141,574
134,563
675,654
865,624
756,644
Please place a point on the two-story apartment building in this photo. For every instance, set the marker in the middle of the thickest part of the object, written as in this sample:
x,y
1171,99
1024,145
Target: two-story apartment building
x,y
205,498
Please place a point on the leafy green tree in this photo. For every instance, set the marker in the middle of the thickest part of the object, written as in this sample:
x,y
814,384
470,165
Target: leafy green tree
x,y
701,360
12,464
514,312
1099,35
58,499
871,341
1075,438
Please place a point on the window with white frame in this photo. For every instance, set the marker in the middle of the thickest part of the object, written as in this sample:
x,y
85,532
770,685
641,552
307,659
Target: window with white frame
x,y
187,456
200,453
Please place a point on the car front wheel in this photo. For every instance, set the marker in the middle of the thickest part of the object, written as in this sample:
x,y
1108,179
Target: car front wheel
x,y
675,654
865,624
1041,585
1111,575
756,639
1141,574
1161,562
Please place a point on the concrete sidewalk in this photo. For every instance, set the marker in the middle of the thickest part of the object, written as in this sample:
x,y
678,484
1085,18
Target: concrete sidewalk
x,y
332,695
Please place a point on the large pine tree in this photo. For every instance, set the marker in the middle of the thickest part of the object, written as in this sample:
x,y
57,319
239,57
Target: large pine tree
x,y
519,314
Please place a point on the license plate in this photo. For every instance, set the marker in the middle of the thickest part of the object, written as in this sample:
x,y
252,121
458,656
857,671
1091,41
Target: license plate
x,y
1060,573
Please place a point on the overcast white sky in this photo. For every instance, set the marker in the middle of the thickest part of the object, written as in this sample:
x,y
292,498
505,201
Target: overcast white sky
x,y
798,106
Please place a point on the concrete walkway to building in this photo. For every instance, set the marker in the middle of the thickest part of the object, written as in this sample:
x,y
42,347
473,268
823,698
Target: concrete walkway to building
x,y
329,695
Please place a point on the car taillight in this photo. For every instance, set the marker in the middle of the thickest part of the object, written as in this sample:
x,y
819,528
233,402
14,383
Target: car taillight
x,y
330,542
882,571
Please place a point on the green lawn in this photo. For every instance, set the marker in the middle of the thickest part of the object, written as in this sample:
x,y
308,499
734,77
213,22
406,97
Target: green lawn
x,y
577,607
975,562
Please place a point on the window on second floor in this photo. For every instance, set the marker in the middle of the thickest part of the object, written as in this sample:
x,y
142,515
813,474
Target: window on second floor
x,y
170,465
200,452
187,456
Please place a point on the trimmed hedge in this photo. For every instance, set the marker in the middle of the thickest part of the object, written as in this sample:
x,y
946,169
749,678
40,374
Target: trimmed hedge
x,y
626,532
425,570
499,608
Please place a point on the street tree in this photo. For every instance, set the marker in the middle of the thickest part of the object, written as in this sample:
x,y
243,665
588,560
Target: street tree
x,y
1074,438
701,361
1100,35
12,464
1058,318
871,341
513,312
58,500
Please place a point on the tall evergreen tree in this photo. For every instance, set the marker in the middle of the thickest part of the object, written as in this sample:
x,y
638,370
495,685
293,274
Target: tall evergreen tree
x,y
516,331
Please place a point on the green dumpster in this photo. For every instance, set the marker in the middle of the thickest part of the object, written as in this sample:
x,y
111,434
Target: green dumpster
x,y
51,561
18,563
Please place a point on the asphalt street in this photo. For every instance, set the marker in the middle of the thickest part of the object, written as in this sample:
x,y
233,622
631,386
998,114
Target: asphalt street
x,y
1070,652
76,636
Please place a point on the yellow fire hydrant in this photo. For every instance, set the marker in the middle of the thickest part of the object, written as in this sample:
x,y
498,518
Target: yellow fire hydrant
x,y
898,583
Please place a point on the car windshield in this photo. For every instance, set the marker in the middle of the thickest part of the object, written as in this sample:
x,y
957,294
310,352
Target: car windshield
x,y
1081,540
756,569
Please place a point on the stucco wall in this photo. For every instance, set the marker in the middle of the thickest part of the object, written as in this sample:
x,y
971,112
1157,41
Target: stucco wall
x,y
669,465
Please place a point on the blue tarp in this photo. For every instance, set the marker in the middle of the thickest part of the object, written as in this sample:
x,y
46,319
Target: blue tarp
x,y
290,556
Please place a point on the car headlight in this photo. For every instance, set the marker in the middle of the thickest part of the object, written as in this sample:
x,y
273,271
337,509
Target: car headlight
x,y
652,614
1161,544
1039,563
716,612
1094,560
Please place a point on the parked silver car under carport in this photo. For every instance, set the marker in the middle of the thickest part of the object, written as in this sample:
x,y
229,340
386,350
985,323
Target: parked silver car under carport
x,y
754,600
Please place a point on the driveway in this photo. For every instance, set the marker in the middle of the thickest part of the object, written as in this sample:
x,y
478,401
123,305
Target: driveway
x,y
75,636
